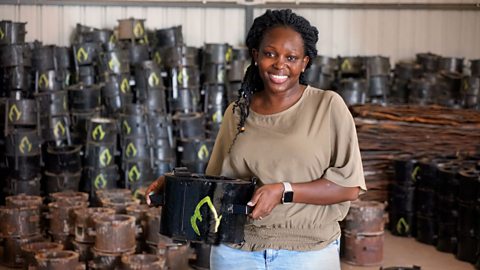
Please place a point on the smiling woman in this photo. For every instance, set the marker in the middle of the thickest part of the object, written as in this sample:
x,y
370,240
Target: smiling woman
x,y
299,142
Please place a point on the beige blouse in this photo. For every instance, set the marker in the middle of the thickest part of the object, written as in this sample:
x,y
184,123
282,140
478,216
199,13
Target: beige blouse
x,y
315,138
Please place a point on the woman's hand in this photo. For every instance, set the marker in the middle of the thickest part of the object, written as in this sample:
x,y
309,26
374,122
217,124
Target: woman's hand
x,y
265,199
154,187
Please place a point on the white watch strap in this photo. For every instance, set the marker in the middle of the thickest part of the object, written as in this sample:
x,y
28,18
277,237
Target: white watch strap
x,y
287,187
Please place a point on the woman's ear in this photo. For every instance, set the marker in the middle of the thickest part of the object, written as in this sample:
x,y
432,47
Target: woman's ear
x,y
306,59
255,55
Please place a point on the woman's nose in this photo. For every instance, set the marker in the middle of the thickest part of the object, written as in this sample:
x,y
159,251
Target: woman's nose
x,y
279,63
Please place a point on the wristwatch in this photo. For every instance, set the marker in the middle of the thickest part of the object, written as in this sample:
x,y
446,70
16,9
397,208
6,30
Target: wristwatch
x,y
287,193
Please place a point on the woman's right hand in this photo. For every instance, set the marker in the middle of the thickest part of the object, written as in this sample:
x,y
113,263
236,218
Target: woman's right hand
x,y
155,187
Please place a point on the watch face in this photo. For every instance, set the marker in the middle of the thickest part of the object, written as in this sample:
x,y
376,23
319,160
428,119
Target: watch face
x,y
288,197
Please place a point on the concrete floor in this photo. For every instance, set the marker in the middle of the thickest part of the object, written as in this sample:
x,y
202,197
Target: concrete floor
x,y
402,251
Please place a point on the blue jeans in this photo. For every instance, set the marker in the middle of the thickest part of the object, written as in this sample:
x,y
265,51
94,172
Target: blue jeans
x,y
223,257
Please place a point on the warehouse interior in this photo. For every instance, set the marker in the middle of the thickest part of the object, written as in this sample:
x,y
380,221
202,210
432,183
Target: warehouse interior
x,y
100,98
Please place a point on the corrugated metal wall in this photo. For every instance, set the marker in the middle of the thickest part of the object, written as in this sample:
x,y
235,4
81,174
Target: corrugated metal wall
x,y
398,34
395,33
54,24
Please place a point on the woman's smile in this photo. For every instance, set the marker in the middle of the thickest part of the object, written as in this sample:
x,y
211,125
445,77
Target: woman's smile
x,y
278,79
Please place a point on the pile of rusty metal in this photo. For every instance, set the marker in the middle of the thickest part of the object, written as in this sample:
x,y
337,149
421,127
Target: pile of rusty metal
x,y
20,218
386,132
122,234
363,233
61,215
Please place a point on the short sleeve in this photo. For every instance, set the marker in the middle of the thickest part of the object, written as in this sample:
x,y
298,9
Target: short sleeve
x,y
345,161
222,143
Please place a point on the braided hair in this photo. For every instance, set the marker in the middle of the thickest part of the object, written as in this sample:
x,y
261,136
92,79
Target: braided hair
x,y
251,81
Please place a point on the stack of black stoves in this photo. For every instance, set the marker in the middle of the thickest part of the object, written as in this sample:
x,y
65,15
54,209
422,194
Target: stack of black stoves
x,y
84,96
433,79
425,173
215,61
15,59
20,138
193,147
63,167
134,51
148,97
114,73
52,76
471,86
180,73
352,85
183,80
136,147
468,203
85,55
404,72
378,78
436,200
401,197
100,170
162,143
15,64
3,164
236,71
85,103
23,146
321,73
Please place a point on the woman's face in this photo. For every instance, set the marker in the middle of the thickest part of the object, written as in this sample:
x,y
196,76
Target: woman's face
x,y
281,59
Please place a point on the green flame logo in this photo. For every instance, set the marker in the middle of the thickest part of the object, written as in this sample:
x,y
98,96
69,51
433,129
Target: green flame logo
x,y
157,58
203,152
228,54
131,150
113,63
14,113
59,129
98,133
105,158
82,55
100,181
25,144
43,81
153,79
126,127
415,173
217,117
133,174
402,226
197,216
125,86
346,65
138,30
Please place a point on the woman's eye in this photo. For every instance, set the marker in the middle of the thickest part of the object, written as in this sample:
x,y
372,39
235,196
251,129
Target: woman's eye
x,y
292,58
269,54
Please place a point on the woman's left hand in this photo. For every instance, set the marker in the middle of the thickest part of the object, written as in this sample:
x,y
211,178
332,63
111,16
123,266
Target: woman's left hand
x,y
265,199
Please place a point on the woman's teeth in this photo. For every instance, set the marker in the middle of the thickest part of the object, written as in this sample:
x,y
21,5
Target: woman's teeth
x,y
278,78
